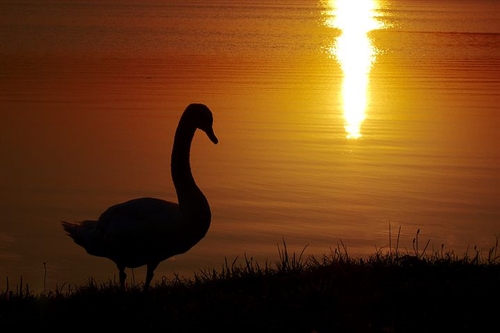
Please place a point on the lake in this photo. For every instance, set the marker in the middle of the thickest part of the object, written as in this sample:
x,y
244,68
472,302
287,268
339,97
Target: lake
x,y
337,123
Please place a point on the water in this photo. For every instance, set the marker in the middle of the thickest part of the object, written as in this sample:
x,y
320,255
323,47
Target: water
x,y
91,95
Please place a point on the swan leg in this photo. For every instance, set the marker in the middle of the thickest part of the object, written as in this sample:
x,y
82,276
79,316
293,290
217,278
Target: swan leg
x,y
150,274
123,276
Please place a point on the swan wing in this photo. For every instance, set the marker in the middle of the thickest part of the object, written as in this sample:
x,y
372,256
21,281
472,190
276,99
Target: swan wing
x,y
139,213
139,230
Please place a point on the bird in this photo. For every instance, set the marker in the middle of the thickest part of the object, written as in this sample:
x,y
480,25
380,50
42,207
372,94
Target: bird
x,y
147,231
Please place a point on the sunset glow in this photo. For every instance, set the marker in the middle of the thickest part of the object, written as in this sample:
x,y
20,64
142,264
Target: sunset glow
x,y
337,120
355,53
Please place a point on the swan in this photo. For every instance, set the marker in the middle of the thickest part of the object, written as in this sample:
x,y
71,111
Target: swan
x,y
147,231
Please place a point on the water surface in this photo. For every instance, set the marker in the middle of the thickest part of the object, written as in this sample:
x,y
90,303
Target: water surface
x,y
91,95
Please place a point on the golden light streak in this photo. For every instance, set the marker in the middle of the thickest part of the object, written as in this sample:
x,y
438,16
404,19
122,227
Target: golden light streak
x,y
355,53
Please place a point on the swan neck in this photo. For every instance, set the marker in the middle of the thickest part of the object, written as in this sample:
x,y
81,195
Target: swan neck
x,y
180,164
193,204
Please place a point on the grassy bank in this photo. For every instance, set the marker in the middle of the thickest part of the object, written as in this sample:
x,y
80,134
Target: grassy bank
x,y
391,291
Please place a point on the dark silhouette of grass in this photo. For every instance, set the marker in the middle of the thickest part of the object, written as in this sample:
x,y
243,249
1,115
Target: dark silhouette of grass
x,y
391,291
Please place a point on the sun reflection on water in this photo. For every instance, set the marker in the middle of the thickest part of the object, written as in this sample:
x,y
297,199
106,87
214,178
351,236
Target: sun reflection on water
x,y
355,53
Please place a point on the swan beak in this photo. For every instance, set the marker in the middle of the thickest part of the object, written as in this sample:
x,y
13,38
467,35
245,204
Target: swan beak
x,y
211,135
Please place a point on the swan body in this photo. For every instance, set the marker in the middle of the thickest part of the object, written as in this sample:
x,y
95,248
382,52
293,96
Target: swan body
x,y
147,231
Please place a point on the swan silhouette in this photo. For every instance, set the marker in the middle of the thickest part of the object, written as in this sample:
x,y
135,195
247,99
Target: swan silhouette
x,y
147,231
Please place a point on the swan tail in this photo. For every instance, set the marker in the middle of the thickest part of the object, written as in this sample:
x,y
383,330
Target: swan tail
x,y
82,234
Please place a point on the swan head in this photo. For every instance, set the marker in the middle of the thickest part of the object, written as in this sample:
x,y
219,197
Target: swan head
x,y
201,117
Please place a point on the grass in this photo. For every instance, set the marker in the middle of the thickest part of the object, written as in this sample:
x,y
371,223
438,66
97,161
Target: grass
x,y
390,291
